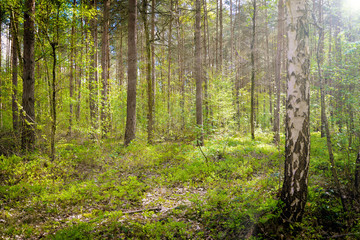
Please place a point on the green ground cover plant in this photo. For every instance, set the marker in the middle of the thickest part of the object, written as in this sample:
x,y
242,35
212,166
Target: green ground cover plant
x,y
227,189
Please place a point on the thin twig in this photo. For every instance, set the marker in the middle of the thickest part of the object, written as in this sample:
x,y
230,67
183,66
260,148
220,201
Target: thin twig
x,y
156,209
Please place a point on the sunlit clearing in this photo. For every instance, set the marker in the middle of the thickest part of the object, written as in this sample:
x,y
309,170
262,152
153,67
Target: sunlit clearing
x,y
352,5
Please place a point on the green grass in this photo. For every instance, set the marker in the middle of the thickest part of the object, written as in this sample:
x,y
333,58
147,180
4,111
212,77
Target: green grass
x,y
164,191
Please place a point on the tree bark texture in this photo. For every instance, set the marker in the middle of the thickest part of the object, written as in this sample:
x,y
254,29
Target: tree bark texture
x,y
132,74
198,73
53,102
297,146
93,79
72,66
14,56
278,71
105,52
221,36
148,70
28,98
252,48
169,65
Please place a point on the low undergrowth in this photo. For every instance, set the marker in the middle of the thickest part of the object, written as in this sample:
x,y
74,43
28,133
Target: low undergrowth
x,y
225,190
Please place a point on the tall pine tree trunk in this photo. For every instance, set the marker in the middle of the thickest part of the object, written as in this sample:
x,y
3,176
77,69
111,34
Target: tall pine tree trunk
x,y
93,80
14,56
72,66
105,121
148,70
28,98
252,48
198,73
132,74
169,66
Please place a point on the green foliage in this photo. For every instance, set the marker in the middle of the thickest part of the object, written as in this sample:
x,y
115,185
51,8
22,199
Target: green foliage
x,y
80,231
162,191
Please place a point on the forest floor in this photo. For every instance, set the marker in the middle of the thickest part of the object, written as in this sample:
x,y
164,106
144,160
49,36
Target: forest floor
x,y
171,190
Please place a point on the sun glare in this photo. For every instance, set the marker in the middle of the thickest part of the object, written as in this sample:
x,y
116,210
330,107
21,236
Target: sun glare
x,y
352,5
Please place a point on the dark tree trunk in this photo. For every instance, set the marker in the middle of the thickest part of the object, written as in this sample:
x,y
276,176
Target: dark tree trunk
x,y
252,47
72,66
297,148
148,70
206,79
198,72
120,66
53,102
220,36
93,80
105,121
14,56
169,66
28,98
132,75
153,82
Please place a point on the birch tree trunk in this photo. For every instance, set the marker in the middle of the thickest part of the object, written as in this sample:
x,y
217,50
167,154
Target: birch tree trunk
x,y
297,148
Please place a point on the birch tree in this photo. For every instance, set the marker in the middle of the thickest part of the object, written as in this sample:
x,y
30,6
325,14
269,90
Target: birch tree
x,y
297,148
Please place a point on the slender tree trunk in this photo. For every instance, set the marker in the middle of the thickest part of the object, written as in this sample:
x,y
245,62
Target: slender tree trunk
x,y
198,72
132,75
148,70
297,148
252,47
321,49
53,102
72,65
278,71
181,77
78,104
221,36
14,56
217,38
93,80
120,59
28,98
268,68
169,65
105,121
206,85
153,76
238,72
